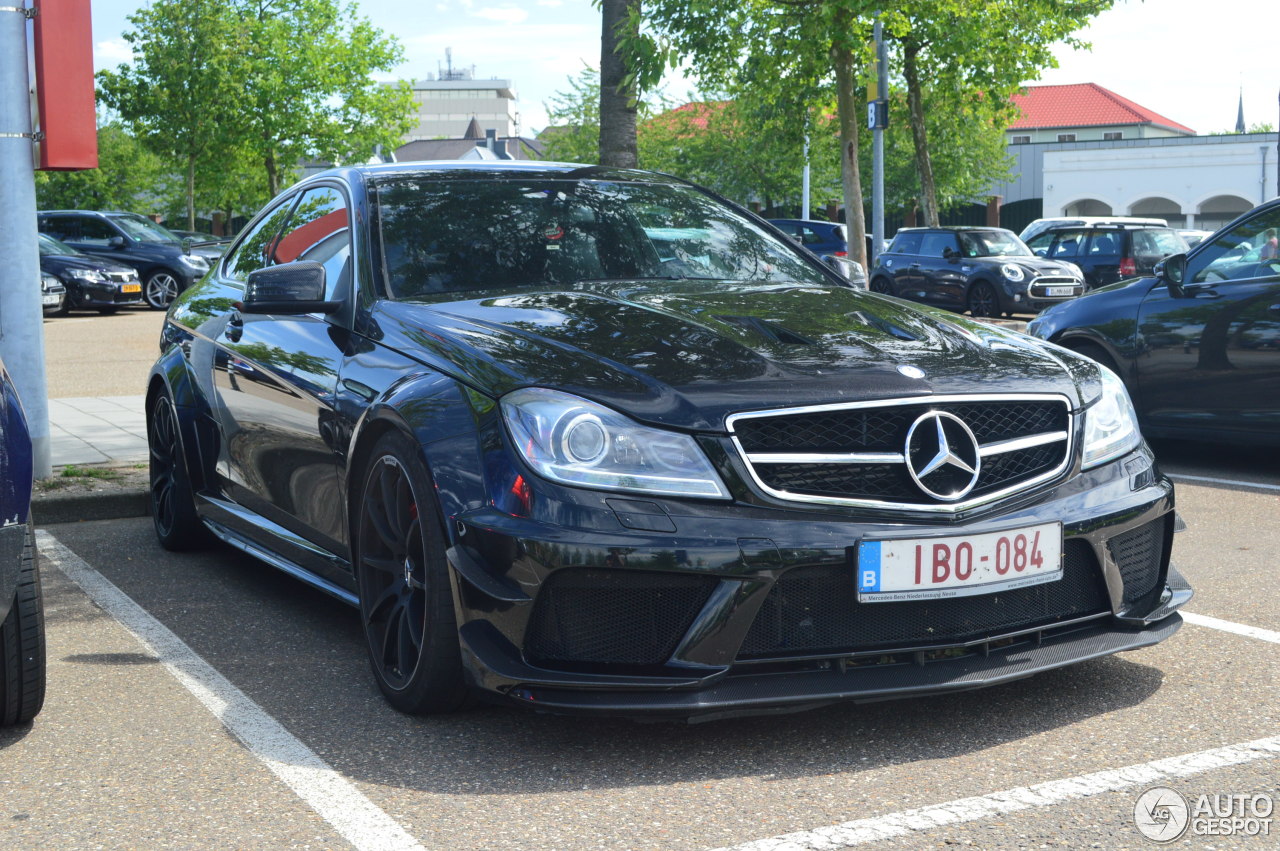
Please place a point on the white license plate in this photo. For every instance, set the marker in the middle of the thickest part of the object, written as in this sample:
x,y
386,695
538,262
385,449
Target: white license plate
x,y
1054,291
960,565
51,299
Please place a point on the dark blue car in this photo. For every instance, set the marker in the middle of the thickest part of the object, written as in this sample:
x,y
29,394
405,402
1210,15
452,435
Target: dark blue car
x,y
1198,342
22,662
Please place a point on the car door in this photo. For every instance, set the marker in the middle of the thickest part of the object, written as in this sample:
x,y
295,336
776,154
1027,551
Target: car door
x,y
1212,348
941,281
276,375
902,262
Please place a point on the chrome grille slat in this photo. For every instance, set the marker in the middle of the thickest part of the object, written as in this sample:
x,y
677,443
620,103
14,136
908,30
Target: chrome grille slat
x,y
843,454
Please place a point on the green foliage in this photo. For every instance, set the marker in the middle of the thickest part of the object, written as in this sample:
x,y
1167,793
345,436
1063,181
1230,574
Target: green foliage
x,y
574,133
129,176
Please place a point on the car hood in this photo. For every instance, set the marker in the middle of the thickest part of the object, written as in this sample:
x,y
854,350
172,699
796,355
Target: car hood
x,y
1038,265
64,262
689,353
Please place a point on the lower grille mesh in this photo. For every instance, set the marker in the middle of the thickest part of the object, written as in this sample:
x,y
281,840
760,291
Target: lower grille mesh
x,y
590,616
1138,553
816,610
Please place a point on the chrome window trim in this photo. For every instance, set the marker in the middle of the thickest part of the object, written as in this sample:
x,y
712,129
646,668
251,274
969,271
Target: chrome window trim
x,y
849,458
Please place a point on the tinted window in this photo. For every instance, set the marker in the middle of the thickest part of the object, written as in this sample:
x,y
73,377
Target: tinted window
x,y
992,243
144,230
1157,242
60,227
319,231
462,235
936,244
256,247
1068,243
96,232
906,243
1106,243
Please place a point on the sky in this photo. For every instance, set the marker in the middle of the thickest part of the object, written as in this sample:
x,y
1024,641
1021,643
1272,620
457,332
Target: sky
x,y
1185,59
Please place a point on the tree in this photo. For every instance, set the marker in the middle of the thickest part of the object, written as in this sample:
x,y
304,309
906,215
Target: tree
x,y
129,176
977,53
574,134
181,95
308,85
619,21
790,49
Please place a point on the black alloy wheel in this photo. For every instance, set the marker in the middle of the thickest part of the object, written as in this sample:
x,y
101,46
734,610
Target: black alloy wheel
x,y
983,300
173,508
160,290
406,605
22,648
882,285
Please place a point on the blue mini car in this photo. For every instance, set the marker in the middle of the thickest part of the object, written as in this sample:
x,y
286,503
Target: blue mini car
x,y
22,658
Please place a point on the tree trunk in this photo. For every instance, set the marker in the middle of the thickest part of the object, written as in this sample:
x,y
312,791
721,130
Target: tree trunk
x,y
850,179
191,193
617,100
273,174
924,166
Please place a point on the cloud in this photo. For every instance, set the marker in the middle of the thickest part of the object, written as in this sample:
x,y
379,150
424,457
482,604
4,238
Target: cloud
x,y
552,3
112,52
504,15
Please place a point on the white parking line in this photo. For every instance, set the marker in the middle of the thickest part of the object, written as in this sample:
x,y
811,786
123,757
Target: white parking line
x,y
1182,477
1010,801
1229,626
337,801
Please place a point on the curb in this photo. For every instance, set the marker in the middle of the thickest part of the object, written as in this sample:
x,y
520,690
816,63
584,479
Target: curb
x,y
75,508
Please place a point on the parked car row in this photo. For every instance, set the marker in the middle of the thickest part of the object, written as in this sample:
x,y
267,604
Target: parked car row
x,y
109,260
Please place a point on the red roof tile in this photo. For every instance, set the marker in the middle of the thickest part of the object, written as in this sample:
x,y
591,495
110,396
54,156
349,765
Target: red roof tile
x,y
1082,105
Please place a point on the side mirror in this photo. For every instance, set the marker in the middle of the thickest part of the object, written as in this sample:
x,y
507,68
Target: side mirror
x,y
290,289
115,242
1172,270
1042,252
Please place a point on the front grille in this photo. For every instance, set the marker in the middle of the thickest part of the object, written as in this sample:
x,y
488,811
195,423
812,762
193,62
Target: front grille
x,y
1139,554
790,454
122,277
815,610
619,617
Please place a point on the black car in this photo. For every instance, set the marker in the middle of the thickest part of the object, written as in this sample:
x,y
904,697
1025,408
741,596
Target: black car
x,y
22,647
1107,253
1198,342
986,271
89,283
590,440
165,265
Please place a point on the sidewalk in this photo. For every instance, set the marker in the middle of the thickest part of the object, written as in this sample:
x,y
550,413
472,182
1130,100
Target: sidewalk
x,y
98,430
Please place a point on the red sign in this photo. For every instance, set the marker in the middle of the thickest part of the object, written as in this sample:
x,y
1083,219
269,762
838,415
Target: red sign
x,y
64,85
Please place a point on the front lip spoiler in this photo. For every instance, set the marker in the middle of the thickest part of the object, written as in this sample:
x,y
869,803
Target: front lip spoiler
x,y
752,694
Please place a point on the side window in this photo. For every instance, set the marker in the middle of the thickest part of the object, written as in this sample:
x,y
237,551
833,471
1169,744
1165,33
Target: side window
x,y
906,243
1041,244
1105,243
319,231
96,232
1250,250
1068,243
936,244
809,236
256,248
60,227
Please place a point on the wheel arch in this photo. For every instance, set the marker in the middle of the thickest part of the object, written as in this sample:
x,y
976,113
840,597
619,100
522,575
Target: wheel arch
x,y
172,374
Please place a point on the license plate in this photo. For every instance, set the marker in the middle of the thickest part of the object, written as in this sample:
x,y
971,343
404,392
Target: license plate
x,y
51,299
960,565
131,288
1060,290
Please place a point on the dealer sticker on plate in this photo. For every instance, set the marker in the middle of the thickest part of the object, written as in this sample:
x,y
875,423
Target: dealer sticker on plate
x,y
935,568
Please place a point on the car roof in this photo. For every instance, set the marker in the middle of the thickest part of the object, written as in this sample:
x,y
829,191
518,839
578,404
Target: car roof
x,y
952,229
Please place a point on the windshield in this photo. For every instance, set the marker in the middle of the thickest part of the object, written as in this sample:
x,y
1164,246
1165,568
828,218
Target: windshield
x,y
144,230
49,245
992,243
462,235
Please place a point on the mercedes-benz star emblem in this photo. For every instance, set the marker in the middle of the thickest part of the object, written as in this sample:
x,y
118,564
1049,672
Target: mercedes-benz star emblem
x,y
942,456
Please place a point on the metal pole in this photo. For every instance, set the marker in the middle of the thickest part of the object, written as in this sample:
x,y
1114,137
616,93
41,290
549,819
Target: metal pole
x,y
804,181
21,314
877,153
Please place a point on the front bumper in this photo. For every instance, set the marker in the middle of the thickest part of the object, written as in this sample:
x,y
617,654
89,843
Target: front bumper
x,y
1033,296
519,642
107,294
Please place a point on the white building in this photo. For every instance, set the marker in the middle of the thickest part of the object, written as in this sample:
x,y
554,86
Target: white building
x,y
446,107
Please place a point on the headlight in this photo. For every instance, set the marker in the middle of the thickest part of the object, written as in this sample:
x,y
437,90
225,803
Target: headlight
x,y
570,440
1110,425
1074,269
194,261
87,275
1013,272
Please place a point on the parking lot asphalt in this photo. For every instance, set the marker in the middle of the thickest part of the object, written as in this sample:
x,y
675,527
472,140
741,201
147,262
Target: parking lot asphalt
x,y
124,753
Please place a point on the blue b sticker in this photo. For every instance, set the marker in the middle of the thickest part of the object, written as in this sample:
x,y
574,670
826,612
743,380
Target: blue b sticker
x,y
869,566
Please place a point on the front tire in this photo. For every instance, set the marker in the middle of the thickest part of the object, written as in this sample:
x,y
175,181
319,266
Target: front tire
x,y
173,506
406,604
22,650
983,300
160,290
882,286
